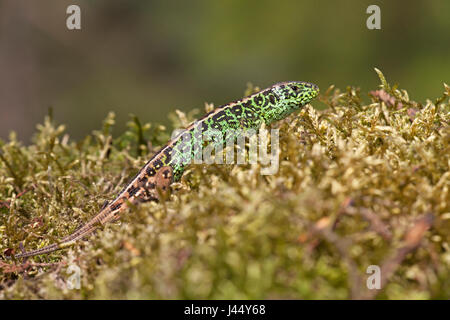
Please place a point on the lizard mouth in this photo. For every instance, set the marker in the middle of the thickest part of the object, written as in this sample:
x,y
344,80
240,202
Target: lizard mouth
x,y
313,90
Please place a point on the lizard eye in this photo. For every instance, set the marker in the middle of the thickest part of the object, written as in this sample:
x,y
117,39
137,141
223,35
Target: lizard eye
x,y
295,88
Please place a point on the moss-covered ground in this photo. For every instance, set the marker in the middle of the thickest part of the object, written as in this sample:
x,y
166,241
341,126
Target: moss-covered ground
x,y
359,184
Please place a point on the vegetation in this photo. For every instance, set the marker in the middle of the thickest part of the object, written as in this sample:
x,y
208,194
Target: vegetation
x,y
358,185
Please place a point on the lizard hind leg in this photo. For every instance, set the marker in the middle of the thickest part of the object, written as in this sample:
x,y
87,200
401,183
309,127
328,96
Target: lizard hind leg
x,y
164,178
158,186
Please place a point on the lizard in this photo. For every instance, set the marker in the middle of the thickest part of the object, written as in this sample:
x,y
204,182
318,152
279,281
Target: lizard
x,y
168,164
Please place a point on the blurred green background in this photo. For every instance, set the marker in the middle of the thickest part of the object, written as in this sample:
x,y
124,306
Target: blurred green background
x,y
152,57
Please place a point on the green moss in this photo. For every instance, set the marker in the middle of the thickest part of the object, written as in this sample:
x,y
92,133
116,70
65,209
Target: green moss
x,y
354,184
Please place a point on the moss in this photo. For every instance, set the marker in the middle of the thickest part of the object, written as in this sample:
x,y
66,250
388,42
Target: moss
x,y
359,184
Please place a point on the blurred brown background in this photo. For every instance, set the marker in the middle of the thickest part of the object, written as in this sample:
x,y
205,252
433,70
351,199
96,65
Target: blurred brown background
x,y
151,57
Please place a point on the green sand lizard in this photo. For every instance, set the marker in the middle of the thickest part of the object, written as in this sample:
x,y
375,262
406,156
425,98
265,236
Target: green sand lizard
x,y
167,165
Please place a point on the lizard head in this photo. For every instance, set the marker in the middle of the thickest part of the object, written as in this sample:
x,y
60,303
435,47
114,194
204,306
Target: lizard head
x,y
288,97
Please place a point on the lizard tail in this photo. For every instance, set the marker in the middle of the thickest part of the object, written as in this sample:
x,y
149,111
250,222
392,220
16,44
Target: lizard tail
x,y
47,249
104,216
63,243
101,218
